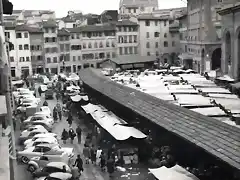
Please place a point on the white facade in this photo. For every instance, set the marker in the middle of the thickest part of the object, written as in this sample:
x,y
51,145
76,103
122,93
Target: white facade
x,y
75,48
23,53
51,49
156,39
62,24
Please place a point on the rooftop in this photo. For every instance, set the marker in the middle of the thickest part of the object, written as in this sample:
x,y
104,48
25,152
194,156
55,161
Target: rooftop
x,y
151,17
132,59
126,22
139,3
93,28
217,138
28,28
49,24
63,32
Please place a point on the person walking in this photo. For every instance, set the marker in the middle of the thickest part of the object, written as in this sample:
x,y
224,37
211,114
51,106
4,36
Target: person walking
x,y
60,115
79,163
65,136
79,134
86,153
40,91
93,154
110,166
55,115
72,134
103,161
69,120
98,156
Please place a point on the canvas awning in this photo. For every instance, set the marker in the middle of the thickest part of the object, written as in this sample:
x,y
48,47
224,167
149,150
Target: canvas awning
x,y
3,107
236,85
73,88
210,111
17,82
175,173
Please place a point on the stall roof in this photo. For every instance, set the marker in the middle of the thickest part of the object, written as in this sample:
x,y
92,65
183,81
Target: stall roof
x,y
193,100
210,111
215,90
217,138
132,59
3,107
174,173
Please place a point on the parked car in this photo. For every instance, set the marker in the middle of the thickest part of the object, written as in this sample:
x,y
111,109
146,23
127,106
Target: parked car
x,y
44,118
31,128
23,107
43,113
52,167
42,161
46,140
46,109
46,135
49,94
29,134
31,100
43,149
57,176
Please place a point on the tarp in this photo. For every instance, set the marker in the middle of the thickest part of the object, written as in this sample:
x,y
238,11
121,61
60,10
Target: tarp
x,y
216,90
210,111
175,173
43,87
78,98
17,82
73,88
73,77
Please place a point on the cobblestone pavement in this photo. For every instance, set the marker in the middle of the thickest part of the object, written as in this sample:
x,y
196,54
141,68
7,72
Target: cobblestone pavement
x,y
91,172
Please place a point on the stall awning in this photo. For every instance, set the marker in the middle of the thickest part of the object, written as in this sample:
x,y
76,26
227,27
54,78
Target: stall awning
x,y
210,111
73,88
78,98
3,107
17,82
175,173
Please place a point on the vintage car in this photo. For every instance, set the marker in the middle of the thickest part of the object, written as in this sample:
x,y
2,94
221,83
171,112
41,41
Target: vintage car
x,y
46,135
46,109
29,134
43,149
23,107
46,140
31,128
57,176
44,118
52,167
42,161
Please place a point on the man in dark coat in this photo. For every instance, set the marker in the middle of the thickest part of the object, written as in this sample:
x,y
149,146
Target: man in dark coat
x,y
79,134
79,163
69,119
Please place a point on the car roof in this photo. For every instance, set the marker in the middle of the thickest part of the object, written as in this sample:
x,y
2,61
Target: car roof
x,y
39,130
61,175
47,145
45,135
45,139
44,108
57,164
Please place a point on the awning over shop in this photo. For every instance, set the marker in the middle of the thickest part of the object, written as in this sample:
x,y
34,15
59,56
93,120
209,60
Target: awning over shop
x,y
225,78
78,98
112,124
175,173
3,107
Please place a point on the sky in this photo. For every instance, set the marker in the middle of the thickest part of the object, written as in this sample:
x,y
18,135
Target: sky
x,y
61,7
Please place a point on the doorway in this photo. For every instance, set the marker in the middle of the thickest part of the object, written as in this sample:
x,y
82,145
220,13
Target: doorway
x,y
216,59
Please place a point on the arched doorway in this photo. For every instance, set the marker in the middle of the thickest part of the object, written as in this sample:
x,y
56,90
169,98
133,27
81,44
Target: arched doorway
x,y
216,59
228,49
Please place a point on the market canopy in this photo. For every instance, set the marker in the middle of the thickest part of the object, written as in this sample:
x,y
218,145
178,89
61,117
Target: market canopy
x,y
19,82
78,98
73,88
175,173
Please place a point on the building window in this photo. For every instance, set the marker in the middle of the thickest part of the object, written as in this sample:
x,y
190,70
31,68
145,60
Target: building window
x,y
39,58
95,45
20,47
7,35
54,39
61,47
165,44
46,40
100,45
147,23
107,44
165,23
135,38
21,59
156,34
74,58
18,35
27,59
157,53
134,10
120,50
84,45
48,60
147,34
135,50
78,36
125,50
89,45
32,47
156,44
148,54
165,35
108,55
26,47
173,44
79,58
53,30
147,45
113,44
25,35
156,23
113,54
130,39
130,50
11,58
55,59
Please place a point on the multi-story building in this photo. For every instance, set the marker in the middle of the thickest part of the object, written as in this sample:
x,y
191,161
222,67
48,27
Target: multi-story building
x,y
51,46
128,8
127,38
64,49
23,51
98,43
203,38
37,49
230,13
159,37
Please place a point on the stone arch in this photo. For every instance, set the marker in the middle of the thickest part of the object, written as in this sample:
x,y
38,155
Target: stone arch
x,y
216,59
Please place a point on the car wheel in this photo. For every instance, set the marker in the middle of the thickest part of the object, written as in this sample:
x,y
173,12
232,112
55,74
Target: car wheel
x,y
24,159
31,168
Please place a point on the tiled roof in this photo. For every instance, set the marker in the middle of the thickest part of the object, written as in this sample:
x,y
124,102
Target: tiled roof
x,y
93,28
9,25
151,17
132,59
139,3
217,138
63,32
49,24
126,22
29,29
68,19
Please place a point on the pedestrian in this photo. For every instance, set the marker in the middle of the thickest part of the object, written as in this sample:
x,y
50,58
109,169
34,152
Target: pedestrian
x,y
65,136
98,155
79,134
93,154
69,120
103,161
45,103
64,169
79,163
55,115
72,134
60,115
75,173
110,166
40,91
86,153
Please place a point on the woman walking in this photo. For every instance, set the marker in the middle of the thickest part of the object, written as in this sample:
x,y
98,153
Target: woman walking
x,y
86,153
65,136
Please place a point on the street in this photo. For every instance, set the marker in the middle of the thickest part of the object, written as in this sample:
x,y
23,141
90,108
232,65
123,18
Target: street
x,y
91,172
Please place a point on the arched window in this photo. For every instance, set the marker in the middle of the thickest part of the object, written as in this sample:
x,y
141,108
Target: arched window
x,y
165,35
107,44
84,45
95,45
101,45
89,45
